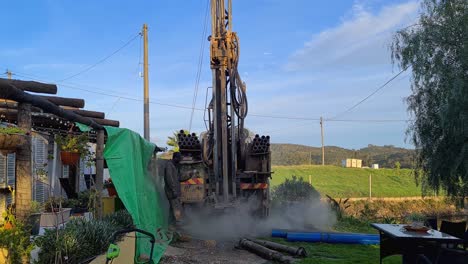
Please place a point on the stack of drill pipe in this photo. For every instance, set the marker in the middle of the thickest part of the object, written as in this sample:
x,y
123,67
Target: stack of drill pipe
x,y
188,141
261,144
264,251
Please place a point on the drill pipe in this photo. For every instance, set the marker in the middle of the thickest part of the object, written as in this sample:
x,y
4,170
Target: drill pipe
x,y
263,251
295,251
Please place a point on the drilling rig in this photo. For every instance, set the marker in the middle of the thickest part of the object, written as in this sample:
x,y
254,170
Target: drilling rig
x,y
225,166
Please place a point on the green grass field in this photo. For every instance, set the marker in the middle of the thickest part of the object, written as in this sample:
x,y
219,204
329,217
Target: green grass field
x,y
351,182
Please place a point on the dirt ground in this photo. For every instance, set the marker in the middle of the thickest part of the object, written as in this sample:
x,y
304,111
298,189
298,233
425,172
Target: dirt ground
x,y
209,252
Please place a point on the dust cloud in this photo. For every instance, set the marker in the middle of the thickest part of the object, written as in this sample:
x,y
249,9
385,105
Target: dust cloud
x,y
311,215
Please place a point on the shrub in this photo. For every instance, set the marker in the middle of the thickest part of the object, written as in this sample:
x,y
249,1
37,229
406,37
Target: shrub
x,y
81,239
295,189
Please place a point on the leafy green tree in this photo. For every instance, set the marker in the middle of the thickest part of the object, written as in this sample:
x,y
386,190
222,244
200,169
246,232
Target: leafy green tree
x,y
436,50
172,140
397,167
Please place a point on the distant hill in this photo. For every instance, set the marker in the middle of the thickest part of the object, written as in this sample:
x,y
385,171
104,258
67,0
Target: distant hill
x,y
385,156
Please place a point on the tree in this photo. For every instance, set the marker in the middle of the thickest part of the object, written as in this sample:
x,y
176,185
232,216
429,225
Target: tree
x,y
397,167
436,49
173,141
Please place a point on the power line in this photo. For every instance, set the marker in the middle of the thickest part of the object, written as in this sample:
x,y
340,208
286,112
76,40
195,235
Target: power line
x,y
102,60
367,97
200,63
114,95
119,96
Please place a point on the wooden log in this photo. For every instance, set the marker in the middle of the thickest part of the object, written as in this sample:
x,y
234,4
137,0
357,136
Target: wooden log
x,y
92,114
10,114
31,86
9,91
13,109
107,122
73,102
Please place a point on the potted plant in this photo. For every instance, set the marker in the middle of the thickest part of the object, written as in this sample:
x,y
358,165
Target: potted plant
x,y
72,147
11,137
35,218
54,214
109,185
416,220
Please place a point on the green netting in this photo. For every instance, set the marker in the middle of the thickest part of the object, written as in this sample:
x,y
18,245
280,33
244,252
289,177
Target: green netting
x,y
128,156
83,127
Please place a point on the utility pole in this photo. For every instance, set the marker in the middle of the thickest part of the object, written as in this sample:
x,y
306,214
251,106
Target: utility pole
x,y
323,147
145,83
8,73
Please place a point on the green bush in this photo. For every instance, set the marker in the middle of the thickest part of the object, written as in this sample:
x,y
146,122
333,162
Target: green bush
x,y
294,189
81,239
16,241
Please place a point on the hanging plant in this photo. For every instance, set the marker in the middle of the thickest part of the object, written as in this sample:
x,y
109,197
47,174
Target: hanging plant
x,y
11,137
72,147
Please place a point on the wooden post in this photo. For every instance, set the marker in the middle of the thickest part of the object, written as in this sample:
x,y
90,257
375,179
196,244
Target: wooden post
x,y
323,146
23,165
99,170
370,186
146,127
310,179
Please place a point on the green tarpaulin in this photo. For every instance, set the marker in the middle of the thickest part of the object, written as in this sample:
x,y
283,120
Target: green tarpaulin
x,y
128,156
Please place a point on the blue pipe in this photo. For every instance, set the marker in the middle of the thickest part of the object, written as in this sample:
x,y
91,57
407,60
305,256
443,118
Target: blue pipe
x,y
336,238
279,233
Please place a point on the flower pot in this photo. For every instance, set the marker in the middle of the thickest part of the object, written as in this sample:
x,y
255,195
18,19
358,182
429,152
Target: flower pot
x,y
69,158
35,222
55,219
11,141
111,191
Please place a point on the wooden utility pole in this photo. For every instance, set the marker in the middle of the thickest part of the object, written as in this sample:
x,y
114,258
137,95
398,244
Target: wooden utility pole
x,y
8,73
145,83
323,147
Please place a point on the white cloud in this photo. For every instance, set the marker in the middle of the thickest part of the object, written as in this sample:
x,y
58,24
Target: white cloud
x,y
360,40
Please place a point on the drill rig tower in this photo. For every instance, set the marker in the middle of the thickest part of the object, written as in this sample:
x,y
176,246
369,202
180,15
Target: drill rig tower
x,y
227,166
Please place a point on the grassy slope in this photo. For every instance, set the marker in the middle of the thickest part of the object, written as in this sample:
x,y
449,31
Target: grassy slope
x,y
350,182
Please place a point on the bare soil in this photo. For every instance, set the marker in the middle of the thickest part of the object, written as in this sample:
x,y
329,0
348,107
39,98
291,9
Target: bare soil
x,y
209,252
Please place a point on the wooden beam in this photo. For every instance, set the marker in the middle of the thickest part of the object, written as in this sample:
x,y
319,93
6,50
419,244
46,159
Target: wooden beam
x,y
92,114
38,116
35,87
107,122
73,102
11,92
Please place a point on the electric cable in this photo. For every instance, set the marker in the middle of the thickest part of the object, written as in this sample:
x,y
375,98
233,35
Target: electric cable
x,y
367,97
101,60
200,63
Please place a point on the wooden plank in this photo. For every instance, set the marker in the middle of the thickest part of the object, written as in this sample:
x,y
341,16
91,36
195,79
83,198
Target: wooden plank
x,y
32,86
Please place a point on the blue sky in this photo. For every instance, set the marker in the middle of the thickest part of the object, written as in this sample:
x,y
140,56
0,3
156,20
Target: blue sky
x,y
299,58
